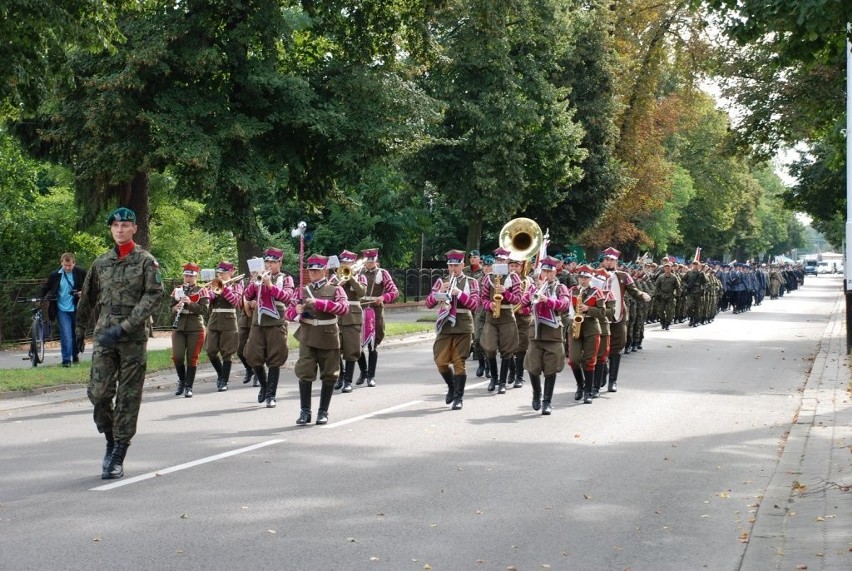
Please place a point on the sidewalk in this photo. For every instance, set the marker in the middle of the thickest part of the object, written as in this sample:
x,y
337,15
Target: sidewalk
x,y
805,517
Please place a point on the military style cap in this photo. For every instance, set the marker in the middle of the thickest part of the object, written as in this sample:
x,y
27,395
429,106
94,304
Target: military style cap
x,y
317,262
225,267
549,263
121,215
455,257
191,269
487,260
501,253
370,254
273,255
347,256
474,253
611,253
584,271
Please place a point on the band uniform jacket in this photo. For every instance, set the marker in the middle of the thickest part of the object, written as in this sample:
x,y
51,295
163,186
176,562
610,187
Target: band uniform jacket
x,y
596,299
455,317
354,288
271,300
192,313
318,327
223,308
546,322
511,295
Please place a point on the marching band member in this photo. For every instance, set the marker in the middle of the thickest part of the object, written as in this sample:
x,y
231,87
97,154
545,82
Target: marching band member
x,y
222,337
523,319
380,289
350,323
189,303
245,312
546,354
476,270
267,342
316,310
500,331
458,296
620,283
587,311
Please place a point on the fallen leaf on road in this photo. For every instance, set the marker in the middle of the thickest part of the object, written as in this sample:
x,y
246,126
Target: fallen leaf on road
x,y
587,497
96,539
820,518
271,531
577,435
724,495
374,558
744,537
184,515
351,539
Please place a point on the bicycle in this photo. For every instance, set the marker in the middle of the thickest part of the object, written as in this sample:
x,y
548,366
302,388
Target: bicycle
x,y
37,333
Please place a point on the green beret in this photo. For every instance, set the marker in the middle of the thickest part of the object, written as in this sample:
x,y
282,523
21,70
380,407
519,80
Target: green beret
x,y
474,253
487,260
121,215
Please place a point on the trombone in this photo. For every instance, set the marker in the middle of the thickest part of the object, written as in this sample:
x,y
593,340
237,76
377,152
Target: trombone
x,y
345,273
216,285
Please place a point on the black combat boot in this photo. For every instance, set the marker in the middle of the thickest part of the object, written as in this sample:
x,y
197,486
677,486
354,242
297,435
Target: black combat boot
x,y
578,376
272,386
115,468
535,382
487,368
549,385
339,384
190,381
226,376
451,388
181,373
362,366
599,375
614,363
217,364
626,349
110,446
260,378
458,398
249,371
348,371
519,369
510,378
325,400
588,383
480,370
492,367
505,363
304,403
371,368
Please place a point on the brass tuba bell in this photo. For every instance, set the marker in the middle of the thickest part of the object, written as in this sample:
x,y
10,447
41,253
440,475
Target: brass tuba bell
x,y
522,237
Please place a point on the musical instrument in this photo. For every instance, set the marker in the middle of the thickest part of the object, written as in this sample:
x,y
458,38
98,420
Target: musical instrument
x,y
345,273
539,294
577,325
180,294
452,285
497,299
216,285
258,279
523,238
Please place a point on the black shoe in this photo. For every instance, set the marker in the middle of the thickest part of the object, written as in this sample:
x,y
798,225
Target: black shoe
x,y
457,404
304,417
249,375
115,467
270,402
613,387
546,409
587,397
347,387
519,383
180,388
322,417
501,389
536,401
188,393
578,394
481,369
339,384
223,388
371,382
492,385
361,378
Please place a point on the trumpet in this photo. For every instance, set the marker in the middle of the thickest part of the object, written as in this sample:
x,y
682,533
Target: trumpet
x,y
345,273
577,325
258,279
452,285
539,294
216,285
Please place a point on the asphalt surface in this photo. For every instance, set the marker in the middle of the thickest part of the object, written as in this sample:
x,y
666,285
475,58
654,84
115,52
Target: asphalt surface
x,y
689,466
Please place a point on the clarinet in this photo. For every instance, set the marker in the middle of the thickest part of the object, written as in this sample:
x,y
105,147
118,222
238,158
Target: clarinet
x,y
186,289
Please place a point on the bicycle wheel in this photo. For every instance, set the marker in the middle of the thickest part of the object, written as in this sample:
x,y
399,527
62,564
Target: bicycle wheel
x,y
37,343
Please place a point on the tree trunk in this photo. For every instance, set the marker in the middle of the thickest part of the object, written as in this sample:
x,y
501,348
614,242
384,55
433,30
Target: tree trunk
x,y
245,249
474,234
134,195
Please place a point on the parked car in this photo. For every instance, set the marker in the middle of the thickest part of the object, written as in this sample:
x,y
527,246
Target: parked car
x,y
810,267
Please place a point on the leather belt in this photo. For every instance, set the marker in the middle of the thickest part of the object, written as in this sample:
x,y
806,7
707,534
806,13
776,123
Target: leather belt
x,y
232,310
356,302
369,298
462,311
331,321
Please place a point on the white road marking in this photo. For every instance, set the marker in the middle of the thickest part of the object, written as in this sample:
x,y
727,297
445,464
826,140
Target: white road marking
x,y
371,414
149,475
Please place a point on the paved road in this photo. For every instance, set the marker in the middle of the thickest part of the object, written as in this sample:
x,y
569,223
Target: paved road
x,y
668,473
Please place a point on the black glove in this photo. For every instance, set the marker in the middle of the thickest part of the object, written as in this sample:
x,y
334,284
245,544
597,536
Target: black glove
x,y
81,342
110,336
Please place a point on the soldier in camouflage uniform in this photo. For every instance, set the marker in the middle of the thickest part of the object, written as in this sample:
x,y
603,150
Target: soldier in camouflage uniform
x,y
637,334
694,283
667,291
124,288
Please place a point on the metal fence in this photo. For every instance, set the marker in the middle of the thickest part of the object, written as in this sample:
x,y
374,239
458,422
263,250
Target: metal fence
x,y
15,309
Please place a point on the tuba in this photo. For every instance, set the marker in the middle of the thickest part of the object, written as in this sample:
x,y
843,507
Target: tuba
x,y
522,237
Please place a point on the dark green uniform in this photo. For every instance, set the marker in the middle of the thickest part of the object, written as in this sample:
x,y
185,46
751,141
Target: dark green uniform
x,y
667,291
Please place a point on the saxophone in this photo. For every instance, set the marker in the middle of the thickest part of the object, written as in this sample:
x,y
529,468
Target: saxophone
x,y
496,299
577,322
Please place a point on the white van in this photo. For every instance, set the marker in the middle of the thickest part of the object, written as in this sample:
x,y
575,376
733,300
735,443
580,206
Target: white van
x,y
824,268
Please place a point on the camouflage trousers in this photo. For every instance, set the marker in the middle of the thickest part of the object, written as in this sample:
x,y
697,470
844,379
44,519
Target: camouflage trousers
x,y
115,387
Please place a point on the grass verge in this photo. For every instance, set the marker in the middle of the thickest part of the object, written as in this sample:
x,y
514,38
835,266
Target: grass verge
x,y
57,376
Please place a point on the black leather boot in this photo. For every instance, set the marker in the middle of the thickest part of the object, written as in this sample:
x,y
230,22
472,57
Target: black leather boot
x,y
226,376
504,373
600,375
614,364
304,403
549,385
325,400
339,384
480,370
217,364
115,468
589,379
451,388
272,386
190,381
519,369
459,382
371,368
260,378
249,371
348,371
110,446
626,349
492,367
181,373
362,366
510,378
535,382
578,376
